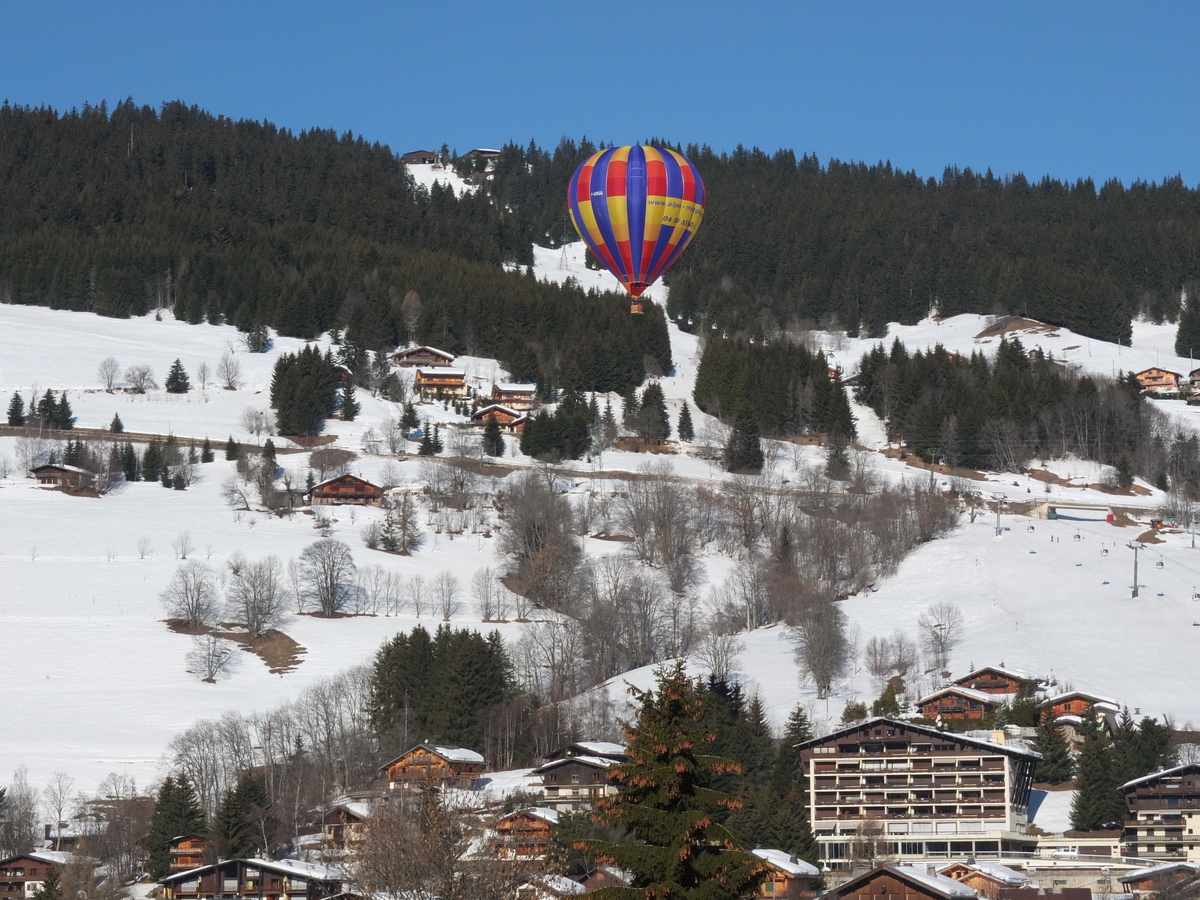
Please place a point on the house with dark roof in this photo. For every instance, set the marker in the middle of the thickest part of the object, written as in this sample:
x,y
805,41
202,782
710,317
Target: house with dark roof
x,y
901,883
430,764
284,879
1163,814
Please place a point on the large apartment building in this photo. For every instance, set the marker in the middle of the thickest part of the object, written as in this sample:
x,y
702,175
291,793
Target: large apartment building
x,y
915,793
1164,814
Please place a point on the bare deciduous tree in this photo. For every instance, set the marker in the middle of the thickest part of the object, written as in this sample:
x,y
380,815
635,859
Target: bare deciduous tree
x,y
143,547
57,794
211,656
941,629
182,544
191,595
877,656
328,573
256,596
329,462
109,372
821,646
202,374
229,371
19,825
537,538
718,651
447,592
485,593
257,421
140,378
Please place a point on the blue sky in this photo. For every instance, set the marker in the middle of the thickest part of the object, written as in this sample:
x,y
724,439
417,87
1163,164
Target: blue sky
x,y
1068,89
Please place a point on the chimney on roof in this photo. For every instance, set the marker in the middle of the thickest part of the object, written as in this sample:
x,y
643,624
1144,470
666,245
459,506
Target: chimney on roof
x,y
931,868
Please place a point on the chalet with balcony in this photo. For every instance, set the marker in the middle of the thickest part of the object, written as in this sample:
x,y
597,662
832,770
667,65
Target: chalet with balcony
x,y
66,478
422,356
901,883
525,833
345,489
518,396
1163,815
575,782
1156,379
510,420
1070,707
345,824
23,876
995,680
788,877
984,878
440,381
285,879
934,794
1153,879
957,702
189,851
427,764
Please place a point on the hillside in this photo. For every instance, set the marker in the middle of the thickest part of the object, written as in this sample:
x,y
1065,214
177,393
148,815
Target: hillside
x,y
101,685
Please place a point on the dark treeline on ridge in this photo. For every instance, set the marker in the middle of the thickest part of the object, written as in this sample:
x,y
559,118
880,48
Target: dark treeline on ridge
x,y
1003,412
124,210
787,241
120,212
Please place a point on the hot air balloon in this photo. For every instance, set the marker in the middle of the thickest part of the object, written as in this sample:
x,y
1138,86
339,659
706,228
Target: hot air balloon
x,y
636,208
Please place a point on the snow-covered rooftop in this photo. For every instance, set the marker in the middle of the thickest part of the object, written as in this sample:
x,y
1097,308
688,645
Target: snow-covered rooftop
x,y
1174,770
981,696
939,883
996,871
793,865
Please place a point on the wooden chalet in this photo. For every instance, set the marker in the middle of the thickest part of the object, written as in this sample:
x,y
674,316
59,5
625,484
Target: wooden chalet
x,y
23,876
68,478
1075,703
1153,879
900,883
984,878
285,879
957,702
440,381
574,782
423,356
1163,814
345,824
420,157
525,833
1156,379
602,749
482,153
510,420
189,851
936,795
995,680
514,395
426,764
788,877
345,489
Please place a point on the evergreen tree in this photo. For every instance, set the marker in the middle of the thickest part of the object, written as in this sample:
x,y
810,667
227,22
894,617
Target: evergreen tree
x,y
1057,765
426,446
206,452
493,440
176,812
437,439
608,425
130,467
62,417
837,461
1098,800
51,888
669,840
348,406
116,426
177,379
243,825
1187,337
652,422
685,428
16,410
232,450
744,452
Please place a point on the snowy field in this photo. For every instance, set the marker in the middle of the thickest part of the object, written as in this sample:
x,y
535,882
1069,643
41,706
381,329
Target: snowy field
x,y
96,683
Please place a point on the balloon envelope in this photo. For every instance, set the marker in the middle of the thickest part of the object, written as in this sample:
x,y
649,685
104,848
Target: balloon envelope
x,y
636,208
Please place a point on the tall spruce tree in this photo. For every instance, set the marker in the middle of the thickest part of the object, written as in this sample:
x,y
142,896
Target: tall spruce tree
x,y
177,379
744,452
669,839
686,430
1097,798
1057,765
176,812
16,410
493,440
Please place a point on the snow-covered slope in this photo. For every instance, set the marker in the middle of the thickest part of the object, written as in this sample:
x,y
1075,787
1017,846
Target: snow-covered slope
x,y
96,683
